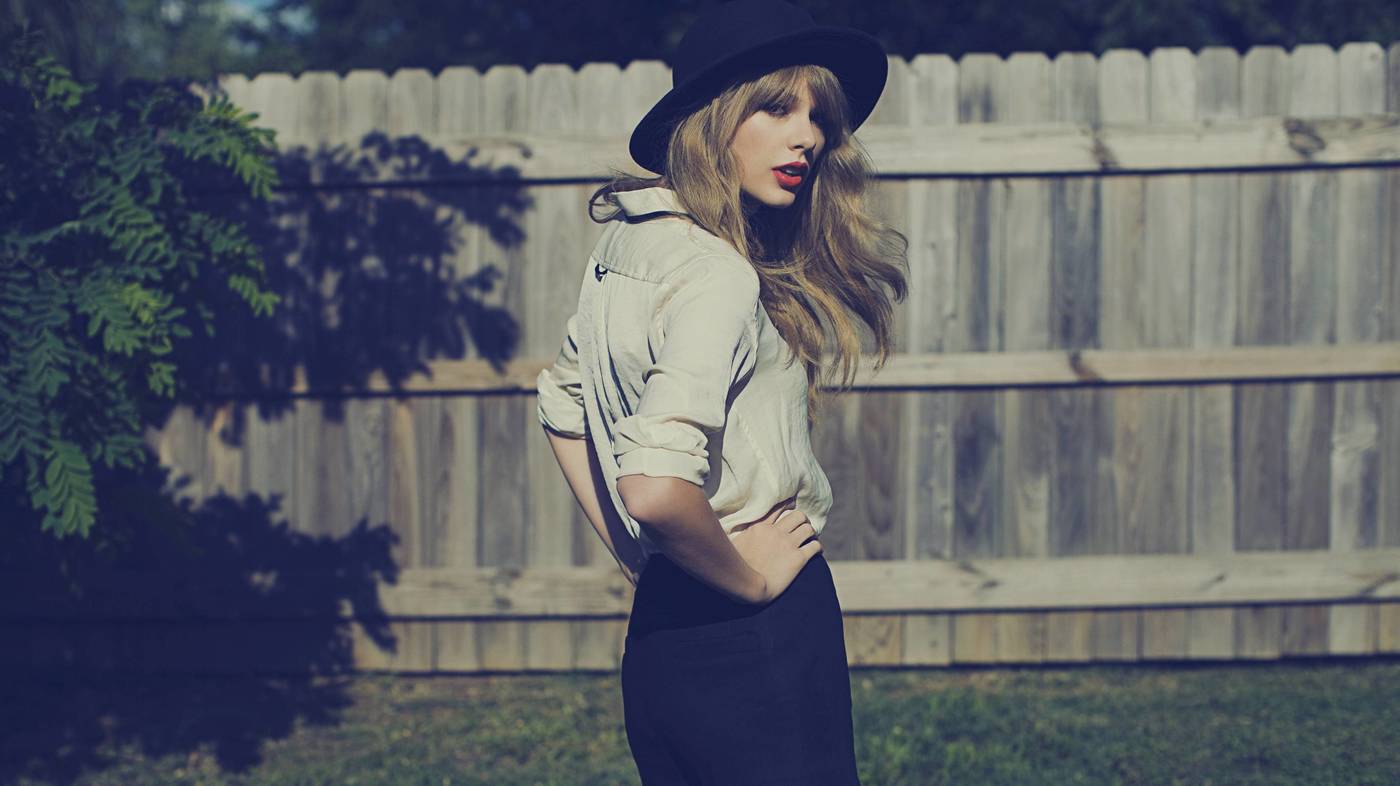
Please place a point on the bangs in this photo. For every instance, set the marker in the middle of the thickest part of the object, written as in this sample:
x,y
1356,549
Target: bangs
x,y
828,99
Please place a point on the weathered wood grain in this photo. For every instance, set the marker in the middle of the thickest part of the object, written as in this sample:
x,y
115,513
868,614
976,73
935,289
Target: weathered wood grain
x,y
1361,229
1123,97
1076,469
1261,410
1215,285
1023,95
504,513
974,148
1311,306
866,587
978,526
1388,503
1164,320
926,453
951,370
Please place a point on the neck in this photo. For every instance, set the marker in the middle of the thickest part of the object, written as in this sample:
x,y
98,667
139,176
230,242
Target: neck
x,y
752,208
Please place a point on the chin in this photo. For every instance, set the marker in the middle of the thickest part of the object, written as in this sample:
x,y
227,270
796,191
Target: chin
x,y
779,199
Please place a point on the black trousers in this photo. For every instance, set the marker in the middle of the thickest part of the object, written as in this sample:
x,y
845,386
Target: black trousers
x,y
721,693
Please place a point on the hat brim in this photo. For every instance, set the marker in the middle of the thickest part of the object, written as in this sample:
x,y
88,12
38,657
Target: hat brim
x,y
858,60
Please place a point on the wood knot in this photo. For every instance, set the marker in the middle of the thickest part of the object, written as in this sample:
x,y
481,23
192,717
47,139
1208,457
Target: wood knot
x,y
1302,137
1082,371
1102,154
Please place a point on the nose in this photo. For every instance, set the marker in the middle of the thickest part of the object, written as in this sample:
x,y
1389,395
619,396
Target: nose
x,y
804,134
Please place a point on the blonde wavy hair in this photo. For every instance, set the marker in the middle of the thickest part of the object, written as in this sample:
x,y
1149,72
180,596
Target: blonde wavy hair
x,y
822,260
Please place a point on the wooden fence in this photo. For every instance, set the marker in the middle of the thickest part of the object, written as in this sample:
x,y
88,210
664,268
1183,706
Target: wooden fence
x,y
1147,405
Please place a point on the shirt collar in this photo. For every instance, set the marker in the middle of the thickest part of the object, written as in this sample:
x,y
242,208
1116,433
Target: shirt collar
x,y
645,201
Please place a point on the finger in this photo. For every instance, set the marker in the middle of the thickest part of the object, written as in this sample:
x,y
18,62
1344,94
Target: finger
x,y
787,523
811,548
773,512
776,512
804,530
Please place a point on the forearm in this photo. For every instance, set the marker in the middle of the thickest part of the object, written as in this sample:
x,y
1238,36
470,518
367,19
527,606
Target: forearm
x,y
684,526
585,479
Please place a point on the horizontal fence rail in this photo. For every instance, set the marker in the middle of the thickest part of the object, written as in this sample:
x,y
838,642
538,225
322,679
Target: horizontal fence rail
x,y
961,370
964,150
864,586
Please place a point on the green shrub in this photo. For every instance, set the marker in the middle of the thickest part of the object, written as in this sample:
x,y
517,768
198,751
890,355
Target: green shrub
x,y
105,249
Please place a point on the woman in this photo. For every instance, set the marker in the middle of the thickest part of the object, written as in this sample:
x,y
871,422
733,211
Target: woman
x,y
683,386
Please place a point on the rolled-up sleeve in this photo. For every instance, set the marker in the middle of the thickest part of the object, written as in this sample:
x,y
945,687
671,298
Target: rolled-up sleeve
x,y
560,389
709,333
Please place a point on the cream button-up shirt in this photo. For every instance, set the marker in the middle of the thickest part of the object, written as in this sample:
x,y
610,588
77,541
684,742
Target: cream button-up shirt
x,y
672,367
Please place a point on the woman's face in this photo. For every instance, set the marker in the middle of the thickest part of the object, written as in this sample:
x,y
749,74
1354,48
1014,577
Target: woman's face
x,y
772,138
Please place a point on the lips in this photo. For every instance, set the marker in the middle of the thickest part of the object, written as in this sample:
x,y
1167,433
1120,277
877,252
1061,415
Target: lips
x,y
790,175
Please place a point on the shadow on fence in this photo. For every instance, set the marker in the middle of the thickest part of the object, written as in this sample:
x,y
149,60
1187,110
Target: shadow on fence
x,y
163,583
369,280
371,277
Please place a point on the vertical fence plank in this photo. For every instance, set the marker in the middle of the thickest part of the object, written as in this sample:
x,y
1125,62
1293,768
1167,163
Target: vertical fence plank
x,y
359,105
1311,298
269,443
857,432
1074,527
926,457
322,501
179,445
225,464
977,521
276,97
1260,409
549,282
1215,283
273,96
270,452
1123,94
1023,95
410,102
1361,229
237,88
367,111
1164,320
1388,504
223,451
415,436
504,417
879,417
364,104
455,645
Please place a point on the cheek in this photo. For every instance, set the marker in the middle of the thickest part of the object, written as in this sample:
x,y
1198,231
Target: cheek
x,y
748,146
743,149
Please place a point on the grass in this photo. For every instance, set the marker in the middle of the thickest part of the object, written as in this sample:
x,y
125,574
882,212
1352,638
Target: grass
x,y
1316,723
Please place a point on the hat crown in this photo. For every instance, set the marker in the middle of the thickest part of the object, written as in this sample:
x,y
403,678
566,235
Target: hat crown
x,y
733,28
745,39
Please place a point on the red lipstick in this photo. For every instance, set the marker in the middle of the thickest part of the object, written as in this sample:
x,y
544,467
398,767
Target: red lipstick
x,y
790,175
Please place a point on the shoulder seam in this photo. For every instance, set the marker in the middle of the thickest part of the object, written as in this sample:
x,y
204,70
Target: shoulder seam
x,y
732,259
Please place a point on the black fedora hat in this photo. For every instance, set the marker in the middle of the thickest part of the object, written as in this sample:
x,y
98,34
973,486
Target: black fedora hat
x,y
744,39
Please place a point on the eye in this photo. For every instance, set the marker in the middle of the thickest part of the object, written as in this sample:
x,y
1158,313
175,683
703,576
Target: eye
x,y
775,108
